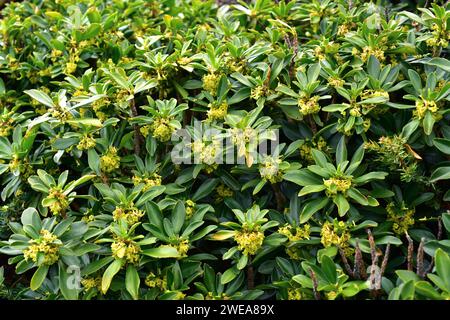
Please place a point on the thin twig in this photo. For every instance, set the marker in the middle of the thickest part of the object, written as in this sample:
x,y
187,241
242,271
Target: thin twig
x,y
410,252
315,284
384,264
250,276
374,256
439,235
430,267
359,269
347,266
420,269
279,197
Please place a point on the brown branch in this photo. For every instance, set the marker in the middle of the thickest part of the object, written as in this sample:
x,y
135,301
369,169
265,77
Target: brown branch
x,y
315,284
430,267
345,261
250,275
410,252
384,264
439,235
420,268
279,197
359,269
374,257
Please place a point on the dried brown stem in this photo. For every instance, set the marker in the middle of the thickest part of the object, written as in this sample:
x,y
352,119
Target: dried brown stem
x,y
346,264
279,197
374,256
430,267
384,264
315,284
359,269
420,268
410,252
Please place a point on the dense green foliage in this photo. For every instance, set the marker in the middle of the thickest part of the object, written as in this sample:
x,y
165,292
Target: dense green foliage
x,y
353,203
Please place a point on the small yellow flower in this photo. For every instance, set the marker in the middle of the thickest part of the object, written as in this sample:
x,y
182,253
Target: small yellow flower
x,y
423,105
337,184
336,234
91,283
110,161
70,68
58,201
217,112
47,245
153,180
211,82
87,142
294,294
154,281
129,250
336,82
258,92
249,242
161,129
269,169
308,105
401,216
223,192
130,214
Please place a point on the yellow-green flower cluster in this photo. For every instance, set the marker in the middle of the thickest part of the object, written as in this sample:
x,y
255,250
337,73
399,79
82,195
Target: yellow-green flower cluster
x,y
58,201
190,208
336,82
91,283
14,163
5,126
211,82
249,242
223,192
269,169
306,148
337,184
440,36
336,234
294,234
60,113
401,216
126,249
368,51
151,181
211,296
47,245
161,129
86,142
217,112
259,92
308,105
130,214
99,106
423,105
110,161
294,294
345,28
182,246
154,281
206,152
